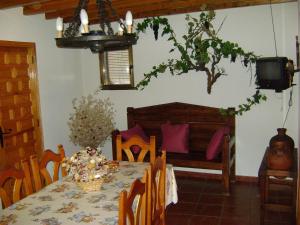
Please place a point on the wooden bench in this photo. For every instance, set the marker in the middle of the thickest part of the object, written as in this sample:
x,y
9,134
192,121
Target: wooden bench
x,y
203,122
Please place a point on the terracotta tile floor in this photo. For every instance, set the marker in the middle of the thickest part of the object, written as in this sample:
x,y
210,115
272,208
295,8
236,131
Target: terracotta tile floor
x,y
201,202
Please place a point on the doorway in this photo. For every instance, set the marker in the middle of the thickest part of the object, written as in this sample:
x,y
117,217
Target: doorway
x,y
20,127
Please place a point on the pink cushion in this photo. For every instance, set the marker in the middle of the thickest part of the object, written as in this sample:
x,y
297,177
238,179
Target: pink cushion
x,y
175,138
136,130
213,148
136,149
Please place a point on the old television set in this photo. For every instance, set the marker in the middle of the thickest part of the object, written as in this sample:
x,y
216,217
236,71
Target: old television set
x,y
272,73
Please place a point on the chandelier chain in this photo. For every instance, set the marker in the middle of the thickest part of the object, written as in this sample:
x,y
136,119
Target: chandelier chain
x,y
73,27
103,17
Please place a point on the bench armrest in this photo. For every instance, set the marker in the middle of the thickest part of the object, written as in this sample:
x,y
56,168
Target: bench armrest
x,y
114,134
228,150
232,142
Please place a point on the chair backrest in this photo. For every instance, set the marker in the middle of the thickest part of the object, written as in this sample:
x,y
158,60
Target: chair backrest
x,y
17,176
156,191
135,140
133,205
39,168
28,179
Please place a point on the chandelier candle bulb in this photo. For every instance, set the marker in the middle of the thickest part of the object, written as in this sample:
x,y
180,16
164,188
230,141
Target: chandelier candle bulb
x,y
129,29
129,22
59,33
59,27
81,29
84,20
98,41
85,28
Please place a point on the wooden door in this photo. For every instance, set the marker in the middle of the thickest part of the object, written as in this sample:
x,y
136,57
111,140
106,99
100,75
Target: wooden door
x,y
19,103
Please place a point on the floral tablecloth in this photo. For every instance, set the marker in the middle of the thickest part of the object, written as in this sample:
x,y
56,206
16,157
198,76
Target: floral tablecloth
x,y
64,203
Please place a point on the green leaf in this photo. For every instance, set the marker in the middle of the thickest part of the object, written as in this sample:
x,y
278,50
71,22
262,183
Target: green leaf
x,y
191,24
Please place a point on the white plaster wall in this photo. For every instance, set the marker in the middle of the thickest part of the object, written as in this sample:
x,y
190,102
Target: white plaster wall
x,y
251,27
58,72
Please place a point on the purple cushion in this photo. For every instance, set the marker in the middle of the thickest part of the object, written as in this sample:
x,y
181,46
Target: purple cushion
x,y
175,138
213,148
136,130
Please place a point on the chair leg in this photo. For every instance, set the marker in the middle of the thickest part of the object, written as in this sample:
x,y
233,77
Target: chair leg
x,y
226,181
262,215
233,172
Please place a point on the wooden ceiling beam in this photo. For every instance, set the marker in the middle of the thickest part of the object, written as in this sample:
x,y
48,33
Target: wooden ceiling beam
x,y
165,8
139,12
67,13
58,5
4,4
191,9
134,6
49,6
44,6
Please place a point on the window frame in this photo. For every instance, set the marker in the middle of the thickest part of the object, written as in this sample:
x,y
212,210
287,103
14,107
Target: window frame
x,y
104,76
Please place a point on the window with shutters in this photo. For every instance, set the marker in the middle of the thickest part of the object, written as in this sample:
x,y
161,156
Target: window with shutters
x,y
116,69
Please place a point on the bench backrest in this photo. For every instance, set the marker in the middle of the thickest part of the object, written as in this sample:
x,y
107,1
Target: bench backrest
x,y
203,121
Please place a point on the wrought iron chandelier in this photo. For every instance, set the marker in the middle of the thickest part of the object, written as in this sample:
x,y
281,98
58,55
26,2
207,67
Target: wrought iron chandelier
x,y
77,34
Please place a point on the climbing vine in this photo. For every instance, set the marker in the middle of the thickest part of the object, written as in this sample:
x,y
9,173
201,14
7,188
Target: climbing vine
x,y
202,51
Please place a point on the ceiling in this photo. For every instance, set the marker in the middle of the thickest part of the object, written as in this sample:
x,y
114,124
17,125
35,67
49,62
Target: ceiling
x,y
139,8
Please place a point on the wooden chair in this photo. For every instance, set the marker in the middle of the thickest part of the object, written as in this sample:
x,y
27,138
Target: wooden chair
x,y
156,191
135,141
39,168
17,176
133,205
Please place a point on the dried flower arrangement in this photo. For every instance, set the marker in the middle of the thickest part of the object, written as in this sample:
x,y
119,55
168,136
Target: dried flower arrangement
x,y
86,165
92,121
89,168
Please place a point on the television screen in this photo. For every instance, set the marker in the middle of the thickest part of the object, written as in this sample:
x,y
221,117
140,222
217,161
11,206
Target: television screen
x,y
270,70
271,73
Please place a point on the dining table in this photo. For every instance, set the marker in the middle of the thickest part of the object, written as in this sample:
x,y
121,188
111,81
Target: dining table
x,y
64,203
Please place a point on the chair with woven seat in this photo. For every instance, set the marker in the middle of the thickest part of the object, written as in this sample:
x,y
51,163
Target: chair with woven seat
x,y
135,141
41,175
156,191
133,205
17,177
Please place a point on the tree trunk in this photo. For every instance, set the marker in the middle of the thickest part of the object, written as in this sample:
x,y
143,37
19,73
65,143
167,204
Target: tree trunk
x,y
209,80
